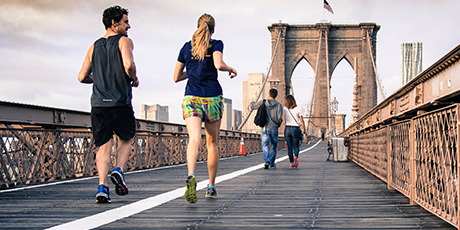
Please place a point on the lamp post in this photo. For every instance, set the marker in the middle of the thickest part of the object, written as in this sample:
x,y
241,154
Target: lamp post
x,y
334,108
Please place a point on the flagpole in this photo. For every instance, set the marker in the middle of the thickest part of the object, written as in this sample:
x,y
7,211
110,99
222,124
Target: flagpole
x,y
324,17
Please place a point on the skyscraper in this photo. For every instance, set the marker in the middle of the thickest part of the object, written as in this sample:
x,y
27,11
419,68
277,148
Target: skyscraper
x,y
236,119
411,61
251,88
155,112
227,116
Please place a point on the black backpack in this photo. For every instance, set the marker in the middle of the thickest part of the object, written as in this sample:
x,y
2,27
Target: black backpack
x,y
261,117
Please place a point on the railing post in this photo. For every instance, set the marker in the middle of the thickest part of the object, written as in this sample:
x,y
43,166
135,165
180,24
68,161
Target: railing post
x,y
412,171
389,159
458,166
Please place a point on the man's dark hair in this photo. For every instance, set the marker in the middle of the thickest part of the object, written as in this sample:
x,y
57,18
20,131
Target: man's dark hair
x,y
113,13
273,93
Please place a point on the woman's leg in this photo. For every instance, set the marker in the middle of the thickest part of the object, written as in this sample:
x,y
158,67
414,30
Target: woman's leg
x,y
212,134
296,141
288,135
194,141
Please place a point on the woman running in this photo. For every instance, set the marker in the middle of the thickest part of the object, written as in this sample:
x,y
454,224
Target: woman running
x,y
202,57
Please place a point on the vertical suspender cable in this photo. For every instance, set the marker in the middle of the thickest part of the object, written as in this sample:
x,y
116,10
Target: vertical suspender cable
x,y
314,84
329,120
373,65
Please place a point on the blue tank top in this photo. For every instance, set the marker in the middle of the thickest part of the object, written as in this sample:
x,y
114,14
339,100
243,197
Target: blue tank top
x,y
112,86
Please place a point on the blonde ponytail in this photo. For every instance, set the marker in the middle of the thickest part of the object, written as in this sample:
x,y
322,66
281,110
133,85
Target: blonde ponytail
x,y
202,36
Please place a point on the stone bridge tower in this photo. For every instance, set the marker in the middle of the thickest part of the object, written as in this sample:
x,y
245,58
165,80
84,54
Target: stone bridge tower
x,y
323,46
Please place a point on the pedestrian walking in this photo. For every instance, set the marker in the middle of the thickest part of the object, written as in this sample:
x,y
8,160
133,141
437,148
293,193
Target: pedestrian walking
x,y
269,133
292,131
201,57
109,66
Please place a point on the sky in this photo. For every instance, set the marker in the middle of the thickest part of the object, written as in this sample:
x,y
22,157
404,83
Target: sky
x,y
43,44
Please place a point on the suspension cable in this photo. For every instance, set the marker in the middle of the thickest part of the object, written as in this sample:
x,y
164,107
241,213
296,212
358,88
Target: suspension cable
x,y
264,81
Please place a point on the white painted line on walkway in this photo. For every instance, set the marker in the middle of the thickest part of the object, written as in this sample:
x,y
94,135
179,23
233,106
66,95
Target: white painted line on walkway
x,y
113,215
81,179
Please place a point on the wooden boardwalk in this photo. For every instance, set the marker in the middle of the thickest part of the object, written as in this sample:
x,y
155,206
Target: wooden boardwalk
x,y
319,194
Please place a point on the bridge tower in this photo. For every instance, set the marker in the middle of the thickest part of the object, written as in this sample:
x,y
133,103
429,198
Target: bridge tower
x,y
323,46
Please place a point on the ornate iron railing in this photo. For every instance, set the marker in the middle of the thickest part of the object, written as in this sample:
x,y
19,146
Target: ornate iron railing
x,y
399,159
436,162
369,151
35,156
418,157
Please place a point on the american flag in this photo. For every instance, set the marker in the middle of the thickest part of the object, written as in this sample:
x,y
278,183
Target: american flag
x,y
328,7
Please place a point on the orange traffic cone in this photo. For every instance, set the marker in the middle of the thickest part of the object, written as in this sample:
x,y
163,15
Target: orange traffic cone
x,y
285,145
242,152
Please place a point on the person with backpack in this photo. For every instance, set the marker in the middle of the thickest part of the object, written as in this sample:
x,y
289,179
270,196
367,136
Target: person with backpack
x,y
269,116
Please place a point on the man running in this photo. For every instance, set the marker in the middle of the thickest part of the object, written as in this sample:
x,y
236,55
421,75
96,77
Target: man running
x,y
109,66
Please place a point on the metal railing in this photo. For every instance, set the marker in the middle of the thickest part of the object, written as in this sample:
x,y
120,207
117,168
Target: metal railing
x,y
36,156
418,157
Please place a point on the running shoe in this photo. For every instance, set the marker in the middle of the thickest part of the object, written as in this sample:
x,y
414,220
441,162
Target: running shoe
x,y
292,166
103,194
273,166
118,179
296,163
267,164
190,191
211,192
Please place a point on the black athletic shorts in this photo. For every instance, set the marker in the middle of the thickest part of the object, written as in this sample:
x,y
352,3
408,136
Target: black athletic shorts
x,y
108,120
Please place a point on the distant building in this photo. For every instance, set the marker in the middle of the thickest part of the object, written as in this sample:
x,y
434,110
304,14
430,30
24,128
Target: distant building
x,y
236,119
155,112
251,88
227,116
411,61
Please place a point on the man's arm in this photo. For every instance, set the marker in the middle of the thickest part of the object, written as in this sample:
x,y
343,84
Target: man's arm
x,y
85,76
255,105
126,48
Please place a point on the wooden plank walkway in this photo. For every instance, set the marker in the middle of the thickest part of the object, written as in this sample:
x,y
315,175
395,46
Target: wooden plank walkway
x,y
319,194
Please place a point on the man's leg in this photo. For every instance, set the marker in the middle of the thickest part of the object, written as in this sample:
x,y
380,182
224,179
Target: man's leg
x,y
273,135
103,161
265,142
212,133
123,151
117,176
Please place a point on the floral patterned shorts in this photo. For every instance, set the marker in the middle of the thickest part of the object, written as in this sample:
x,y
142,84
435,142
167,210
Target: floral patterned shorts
x,y
209,109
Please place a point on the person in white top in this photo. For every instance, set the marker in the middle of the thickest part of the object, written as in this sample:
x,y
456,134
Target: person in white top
x,y
292,131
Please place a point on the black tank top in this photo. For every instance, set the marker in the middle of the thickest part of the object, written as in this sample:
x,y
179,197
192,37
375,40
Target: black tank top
x,y
111,85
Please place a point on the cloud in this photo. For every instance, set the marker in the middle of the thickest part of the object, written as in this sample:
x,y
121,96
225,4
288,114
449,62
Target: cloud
x,y
44,42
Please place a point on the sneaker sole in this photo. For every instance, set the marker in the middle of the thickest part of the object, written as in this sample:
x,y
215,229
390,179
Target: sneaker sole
x,y
209,196
101,198
120,187
190,192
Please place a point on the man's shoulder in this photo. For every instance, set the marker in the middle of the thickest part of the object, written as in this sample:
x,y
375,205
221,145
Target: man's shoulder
x,y
125,39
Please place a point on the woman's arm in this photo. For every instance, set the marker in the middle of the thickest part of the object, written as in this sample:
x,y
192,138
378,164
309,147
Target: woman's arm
x,y
221,65
303,124
179,73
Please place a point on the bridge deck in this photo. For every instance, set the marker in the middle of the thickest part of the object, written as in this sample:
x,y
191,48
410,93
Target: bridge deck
x,y
319,194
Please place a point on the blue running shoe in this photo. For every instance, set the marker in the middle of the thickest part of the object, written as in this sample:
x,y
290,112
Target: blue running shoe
x,y
211,192
190,191
103,194
118,179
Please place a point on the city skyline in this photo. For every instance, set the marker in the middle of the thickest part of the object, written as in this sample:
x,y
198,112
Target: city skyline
x,y
44,43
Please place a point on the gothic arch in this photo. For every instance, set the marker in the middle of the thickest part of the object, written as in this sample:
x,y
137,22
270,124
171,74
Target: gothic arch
x,y
323,46
344,55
